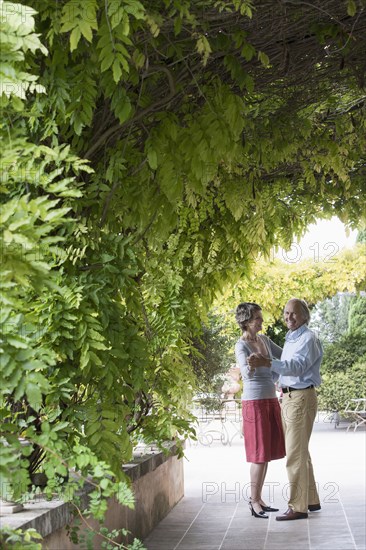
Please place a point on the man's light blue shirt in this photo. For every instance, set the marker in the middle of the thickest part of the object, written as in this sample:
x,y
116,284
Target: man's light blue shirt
x,y
299,366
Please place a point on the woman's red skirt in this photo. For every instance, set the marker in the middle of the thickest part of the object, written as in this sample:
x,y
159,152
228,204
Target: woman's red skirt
x,y
263,434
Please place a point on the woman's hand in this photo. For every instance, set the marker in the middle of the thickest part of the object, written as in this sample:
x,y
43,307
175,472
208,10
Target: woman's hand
x,y
257,360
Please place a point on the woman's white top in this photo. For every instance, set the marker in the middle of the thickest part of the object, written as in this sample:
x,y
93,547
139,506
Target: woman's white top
x,y
257,383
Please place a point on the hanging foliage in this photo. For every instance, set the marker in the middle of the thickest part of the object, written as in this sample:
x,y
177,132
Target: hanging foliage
x,y
151,152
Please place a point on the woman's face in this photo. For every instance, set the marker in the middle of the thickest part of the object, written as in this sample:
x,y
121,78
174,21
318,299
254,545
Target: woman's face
x,y
255,324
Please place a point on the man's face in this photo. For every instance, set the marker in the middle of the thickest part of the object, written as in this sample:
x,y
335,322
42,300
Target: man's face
x,y
293,314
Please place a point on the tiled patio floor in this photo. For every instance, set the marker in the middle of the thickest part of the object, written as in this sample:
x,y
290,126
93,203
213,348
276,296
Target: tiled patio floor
x,y
214,513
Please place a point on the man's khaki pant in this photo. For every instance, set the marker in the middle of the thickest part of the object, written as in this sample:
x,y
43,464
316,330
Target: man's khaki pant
x,y
298,411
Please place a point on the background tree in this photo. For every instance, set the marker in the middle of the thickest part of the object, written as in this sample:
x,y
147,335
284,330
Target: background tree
x,y
344,362
361,236
330,318
357,315
271,284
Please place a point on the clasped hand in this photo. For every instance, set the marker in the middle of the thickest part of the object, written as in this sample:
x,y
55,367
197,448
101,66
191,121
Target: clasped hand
x,y
258,360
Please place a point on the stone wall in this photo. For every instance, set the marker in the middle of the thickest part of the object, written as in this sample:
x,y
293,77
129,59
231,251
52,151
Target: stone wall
x,y
158,485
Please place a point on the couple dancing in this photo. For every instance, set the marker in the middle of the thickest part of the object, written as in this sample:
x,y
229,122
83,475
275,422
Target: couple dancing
x,y
270,431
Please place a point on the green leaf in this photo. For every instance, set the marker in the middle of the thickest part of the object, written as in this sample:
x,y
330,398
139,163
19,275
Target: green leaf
x,y
107,61
152,159
248,51
104,483
75,36
117,71
177,25
203,48
85,29
34,395
17,342
264,59
351,8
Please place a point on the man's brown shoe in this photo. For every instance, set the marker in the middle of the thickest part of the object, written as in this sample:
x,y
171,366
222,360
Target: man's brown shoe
x,y
290,514
314,507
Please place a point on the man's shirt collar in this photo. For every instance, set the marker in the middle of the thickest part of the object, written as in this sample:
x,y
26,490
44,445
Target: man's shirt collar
x,y
295,334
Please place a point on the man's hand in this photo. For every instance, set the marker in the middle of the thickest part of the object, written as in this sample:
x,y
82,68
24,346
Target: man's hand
x,y
257,360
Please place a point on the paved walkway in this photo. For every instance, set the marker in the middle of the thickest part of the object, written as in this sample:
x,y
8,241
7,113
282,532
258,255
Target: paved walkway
x,y
214,513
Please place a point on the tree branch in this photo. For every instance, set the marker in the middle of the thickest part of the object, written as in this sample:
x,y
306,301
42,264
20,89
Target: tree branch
x,y
119,127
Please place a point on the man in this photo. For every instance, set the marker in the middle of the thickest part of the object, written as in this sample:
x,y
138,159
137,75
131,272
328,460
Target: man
x,y
299,374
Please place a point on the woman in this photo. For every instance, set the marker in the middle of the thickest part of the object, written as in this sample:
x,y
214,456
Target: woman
x,y
263,434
